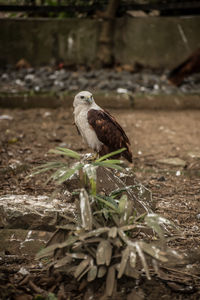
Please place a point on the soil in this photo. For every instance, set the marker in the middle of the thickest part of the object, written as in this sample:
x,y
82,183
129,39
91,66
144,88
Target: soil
x,y
155,135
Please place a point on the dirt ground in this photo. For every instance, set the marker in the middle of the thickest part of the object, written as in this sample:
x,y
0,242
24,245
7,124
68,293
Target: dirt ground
x,y
155,135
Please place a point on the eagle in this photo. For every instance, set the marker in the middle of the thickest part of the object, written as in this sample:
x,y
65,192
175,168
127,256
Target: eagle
x,y
98,127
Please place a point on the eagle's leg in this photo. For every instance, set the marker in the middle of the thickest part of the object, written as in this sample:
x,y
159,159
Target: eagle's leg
x,y
95,156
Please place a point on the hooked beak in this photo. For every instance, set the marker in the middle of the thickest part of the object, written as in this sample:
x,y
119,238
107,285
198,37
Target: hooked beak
x,y
89,99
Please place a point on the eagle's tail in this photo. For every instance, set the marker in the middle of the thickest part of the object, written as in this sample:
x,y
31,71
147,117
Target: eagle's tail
x,y
128,154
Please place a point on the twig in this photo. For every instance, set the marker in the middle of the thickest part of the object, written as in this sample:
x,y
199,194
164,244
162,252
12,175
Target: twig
x,y
175,210
25,280
181,272
36,288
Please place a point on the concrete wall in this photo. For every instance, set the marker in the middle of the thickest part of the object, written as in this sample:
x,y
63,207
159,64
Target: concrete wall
x,y
156,42
42,41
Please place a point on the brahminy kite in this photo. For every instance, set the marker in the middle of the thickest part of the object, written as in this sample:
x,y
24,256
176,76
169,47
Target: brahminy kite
x,y
98,128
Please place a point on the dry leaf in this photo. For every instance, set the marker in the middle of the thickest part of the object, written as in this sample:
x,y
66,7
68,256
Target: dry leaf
x,y
110,281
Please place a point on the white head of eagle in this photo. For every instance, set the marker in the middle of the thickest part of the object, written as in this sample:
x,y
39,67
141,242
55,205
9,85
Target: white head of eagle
x,y
98,128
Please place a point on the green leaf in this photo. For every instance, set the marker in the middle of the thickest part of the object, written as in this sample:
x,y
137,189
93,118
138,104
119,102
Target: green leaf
x,y
46,167
65,151
122,203
51,164
109,161
110,200
126,208
110,154
90,170
57,174
110,205
106,164
51,296
104,212
68,174
124,189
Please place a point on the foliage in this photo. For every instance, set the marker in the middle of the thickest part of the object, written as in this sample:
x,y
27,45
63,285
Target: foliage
x,y
86,168
102,237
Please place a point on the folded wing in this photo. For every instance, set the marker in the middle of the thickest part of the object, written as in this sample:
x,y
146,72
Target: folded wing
x,y
109,132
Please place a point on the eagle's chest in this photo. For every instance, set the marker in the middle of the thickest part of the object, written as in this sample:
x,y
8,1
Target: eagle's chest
x,y
87,132
81,121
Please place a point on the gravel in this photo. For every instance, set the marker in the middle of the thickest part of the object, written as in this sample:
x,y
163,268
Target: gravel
x,y
45,79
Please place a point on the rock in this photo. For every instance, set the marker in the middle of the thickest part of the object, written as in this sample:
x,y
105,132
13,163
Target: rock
x,y
61,75
90,74
177,162
73,88
22,242
29,212
110,180
42,79
102,85
83,83
4,77
29,78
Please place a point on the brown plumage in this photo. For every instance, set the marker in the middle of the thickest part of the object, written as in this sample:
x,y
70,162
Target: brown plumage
x,y
109,132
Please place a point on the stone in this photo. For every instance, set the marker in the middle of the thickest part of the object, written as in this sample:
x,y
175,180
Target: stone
x,y
22,242
103,85
83,83
29,212
110,180
5,77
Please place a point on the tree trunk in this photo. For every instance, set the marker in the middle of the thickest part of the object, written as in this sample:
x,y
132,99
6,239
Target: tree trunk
x,y
105,51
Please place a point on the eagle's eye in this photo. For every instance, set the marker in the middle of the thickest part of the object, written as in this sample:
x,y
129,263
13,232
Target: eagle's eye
x,y
82,97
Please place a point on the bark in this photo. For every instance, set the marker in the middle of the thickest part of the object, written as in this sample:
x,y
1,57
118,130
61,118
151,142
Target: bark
x,y
105,52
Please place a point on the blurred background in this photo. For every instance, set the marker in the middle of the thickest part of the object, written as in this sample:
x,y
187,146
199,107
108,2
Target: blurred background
x,y
121,46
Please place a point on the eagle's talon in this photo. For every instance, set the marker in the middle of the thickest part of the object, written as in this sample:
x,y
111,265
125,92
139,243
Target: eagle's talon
x,y
90,157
